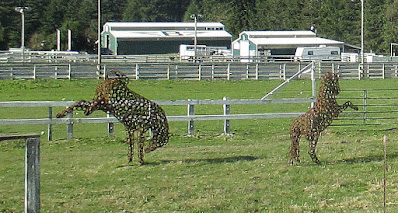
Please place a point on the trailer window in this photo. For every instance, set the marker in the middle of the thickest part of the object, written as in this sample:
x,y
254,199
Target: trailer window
x,y
310,52
334,53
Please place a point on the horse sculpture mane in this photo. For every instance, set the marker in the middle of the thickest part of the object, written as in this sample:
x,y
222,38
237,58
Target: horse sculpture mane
x,y
318,118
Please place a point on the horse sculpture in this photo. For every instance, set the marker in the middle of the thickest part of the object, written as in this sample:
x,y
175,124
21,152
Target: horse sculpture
x,y
318,118
138,114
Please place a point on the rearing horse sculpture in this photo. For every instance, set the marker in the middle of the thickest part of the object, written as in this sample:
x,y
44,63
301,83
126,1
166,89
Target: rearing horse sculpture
x,y
318,118
138,114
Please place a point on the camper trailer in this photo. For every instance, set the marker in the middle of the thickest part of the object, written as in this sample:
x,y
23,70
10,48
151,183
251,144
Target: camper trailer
x,y
187,52
321,53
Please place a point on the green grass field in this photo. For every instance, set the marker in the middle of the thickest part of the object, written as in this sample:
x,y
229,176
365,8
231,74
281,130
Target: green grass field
x,y
210,172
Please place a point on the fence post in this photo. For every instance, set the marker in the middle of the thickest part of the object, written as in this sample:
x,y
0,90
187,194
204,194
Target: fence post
x,y
396,70
384,71
212,71
313,80
34,72
282,72
69,71
137,72
256,71
168,72
200,72
69,127
359,71
228,71
50,126
32,174
105,72
247,71
191,112
111,127
226,108
365,103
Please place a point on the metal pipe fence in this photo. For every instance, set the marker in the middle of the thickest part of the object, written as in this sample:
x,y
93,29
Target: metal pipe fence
x,y
376,107
190,116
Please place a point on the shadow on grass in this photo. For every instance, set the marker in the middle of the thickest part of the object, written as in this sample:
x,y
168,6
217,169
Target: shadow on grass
x,y
366,159
214,160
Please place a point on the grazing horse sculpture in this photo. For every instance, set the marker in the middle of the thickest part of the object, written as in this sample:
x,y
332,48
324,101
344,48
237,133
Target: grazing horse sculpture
x,y
318,118
138,114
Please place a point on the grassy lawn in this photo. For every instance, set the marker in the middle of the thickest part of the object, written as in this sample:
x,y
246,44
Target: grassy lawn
x,y
210,172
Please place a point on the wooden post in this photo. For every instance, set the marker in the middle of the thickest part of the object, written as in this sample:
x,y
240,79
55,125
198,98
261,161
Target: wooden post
x,y
365,103
105,73
69,126
247,71
69,71
168,72
212,71
226,108
256,71
200,72
137,72
32,170
228,71
32,175
191,111
50,126
34,72
385,170
384,71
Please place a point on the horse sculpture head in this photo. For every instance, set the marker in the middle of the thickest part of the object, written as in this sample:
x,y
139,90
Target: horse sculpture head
x,y
330,84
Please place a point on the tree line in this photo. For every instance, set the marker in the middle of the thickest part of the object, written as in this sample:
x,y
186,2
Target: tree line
x,y
334,19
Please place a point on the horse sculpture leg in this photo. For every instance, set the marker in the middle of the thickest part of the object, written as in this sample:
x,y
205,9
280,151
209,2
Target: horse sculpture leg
x,y
130,142
140,139
312,149
80,106
349,104
87,106
294,147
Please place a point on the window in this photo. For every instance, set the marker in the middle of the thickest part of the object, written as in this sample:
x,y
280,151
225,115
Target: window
x,y
334,53
310,52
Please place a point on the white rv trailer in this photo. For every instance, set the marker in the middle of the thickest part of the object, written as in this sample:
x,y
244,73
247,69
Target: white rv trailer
x,y
321,53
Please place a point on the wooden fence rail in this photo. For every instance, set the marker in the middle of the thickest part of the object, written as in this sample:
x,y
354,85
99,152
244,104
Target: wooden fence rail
x,y
204,71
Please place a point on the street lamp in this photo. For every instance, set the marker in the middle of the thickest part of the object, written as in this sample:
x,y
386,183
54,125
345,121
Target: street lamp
x,y
99,35
195,18
22,11
362,29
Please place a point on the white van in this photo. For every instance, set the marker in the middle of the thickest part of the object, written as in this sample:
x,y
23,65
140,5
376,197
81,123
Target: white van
x,y
321,53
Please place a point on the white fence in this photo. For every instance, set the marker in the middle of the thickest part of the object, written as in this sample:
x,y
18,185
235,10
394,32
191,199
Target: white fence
x,y
190,117
192,71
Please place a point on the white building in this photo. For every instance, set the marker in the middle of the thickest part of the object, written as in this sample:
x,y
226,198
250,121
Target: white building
x,y
132,38
257,44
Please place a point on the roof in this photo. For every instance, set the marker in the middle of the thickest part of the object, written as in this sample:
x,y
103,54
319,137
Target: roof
x,y
170,34
294,41
150,30
160,25
269,34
